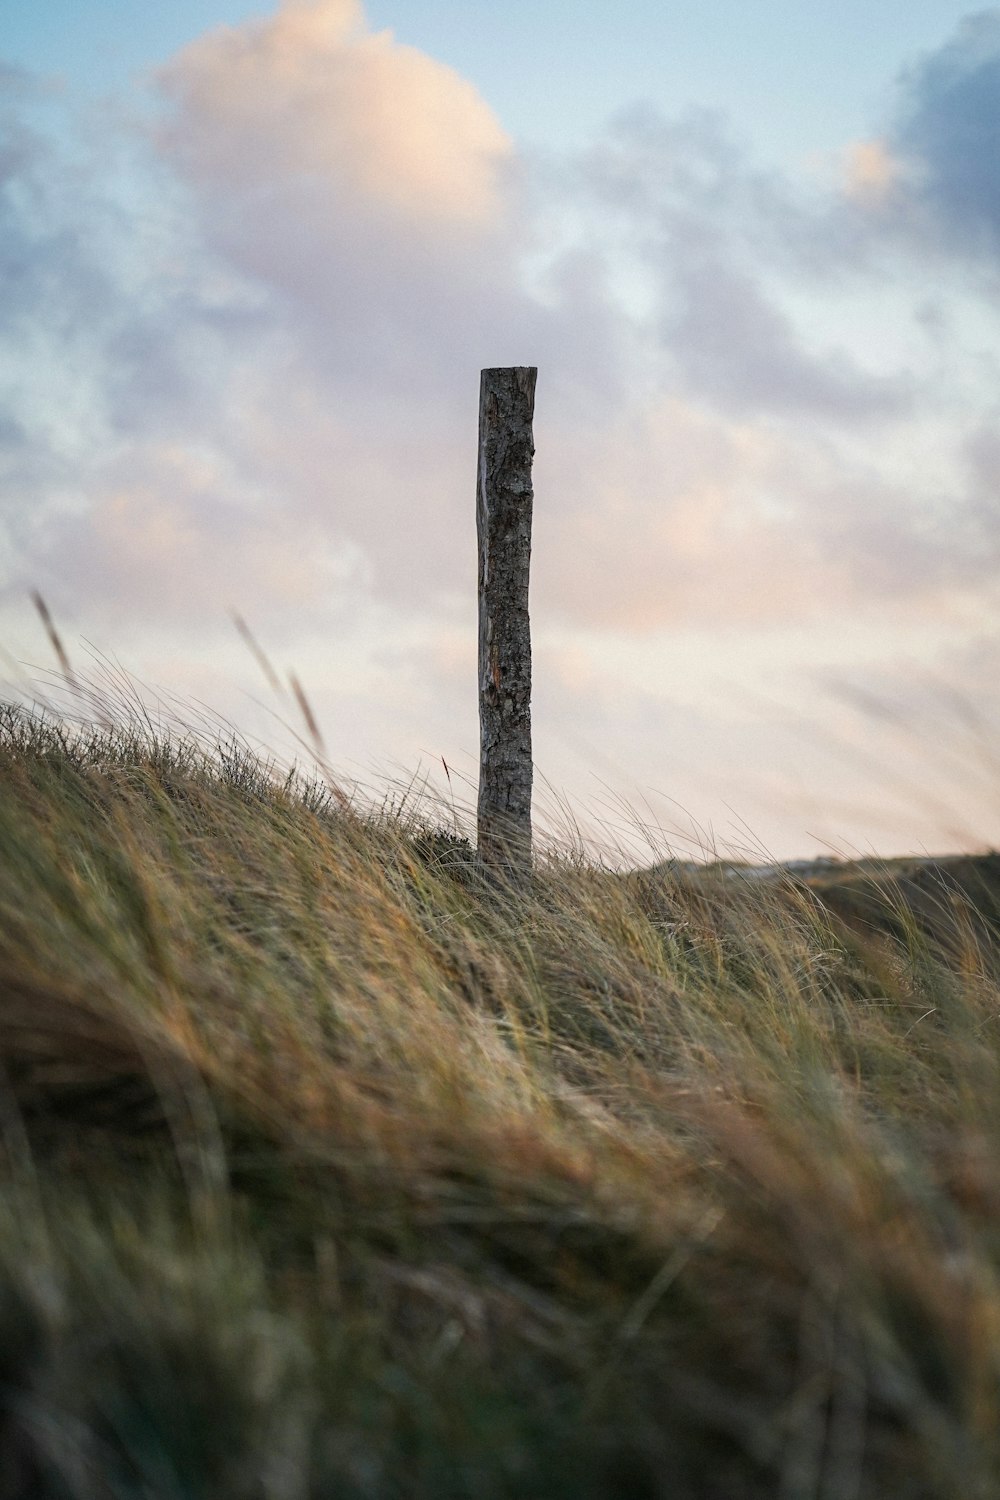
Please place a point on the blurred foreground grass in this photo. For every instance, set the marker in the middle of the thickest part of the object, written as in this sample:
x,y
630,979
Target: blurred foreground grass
x,y
328,1172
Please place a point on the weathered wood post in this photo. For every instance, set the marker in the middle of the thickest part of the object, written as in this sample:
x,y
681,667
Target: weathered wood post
x,y
503,523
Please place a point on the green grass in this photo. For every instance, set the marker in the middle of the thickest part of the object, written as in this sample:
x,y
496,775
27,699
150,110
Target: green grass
x,y
329,1171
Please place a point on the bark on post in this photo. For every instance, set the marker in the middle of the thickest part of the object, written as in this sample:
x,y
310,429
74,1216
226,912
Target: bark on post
x,y
503,522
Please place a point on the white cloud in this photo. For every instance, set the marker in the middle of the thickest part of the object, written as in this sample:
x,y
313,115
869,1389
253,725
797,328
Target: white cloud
x,y
309,99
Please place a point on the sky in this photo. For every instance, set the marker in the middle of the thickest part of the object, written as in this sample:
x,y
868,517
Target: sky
x,y
252,259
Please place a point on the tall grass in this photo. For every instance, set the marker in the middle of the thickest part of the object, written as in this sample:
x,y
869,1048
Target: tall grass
x,y
330,1171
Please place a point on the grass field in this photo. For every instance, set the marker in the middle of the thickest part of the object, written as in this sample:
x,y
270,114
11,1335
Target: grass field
x,y
329,1171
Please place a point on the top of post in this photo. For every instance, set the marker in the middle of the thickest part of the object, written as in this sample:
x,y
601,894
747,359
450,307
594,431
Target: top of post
x,y
523,377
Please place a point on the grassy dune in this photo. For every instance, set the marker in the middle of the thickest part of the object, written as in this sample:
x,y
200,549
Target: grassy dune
x,y
328,1172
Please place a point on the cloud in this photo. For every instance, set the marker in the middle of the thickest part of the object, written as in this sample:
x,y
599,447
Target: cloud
x,y
948,136
676,516
870,172
173,538
199,398
716,243
310,100
736,346
375,206
361,186
309,376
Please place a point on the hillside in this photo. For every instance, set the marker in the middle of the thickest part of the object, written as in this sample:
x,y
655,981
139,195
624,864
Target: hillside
x,y
328,1170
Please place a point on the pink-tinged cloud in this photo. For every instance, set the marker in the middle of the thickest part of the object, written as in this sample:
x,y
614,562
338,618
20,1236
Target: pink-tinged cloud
x,y
172,539
870,172
310,97
675,515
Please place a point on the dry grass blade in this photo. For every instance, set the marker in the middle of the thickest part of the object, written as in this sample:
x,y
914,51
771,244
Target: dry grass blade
x,y
316,736
55,639
305,708
257,651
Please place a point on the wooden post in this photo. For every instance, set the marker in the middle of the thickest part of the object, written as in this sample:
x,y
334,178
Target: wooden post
x,y
503,523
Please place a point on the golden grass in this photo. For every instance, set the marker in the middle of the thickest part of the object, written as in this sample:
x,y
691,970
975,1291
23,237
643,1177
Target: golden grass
x,y
329,1169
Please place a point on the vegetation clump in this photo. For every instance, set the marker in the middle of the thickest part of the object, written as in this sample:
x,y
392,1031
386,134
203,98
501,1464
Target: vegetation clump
x,y
328,1169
